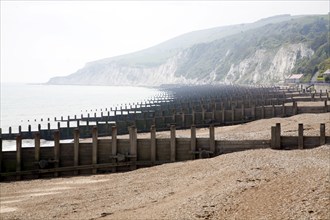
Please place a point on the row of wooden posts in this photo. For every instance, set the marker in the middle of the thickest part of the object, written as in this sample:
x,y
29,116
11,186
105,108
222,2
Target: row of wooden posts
x,y
182,119
182,101
112,155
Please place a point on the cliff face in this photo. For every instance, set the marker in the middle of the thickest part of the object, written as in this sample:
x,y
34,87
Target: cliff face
x,y
113,73
265,66
264,53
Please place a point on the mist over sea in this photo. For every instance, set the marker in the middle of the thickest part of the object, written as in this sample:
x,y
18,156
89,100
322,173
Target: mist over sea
x,y
28,104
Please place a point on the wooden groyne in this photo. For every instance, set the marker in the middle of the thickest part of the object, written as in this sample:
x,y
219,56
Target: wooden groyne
x,y
187,106
117,155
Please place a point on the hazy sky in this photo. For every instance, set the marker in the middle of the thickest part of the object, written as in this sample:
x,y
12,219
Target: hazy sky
x,y
42,39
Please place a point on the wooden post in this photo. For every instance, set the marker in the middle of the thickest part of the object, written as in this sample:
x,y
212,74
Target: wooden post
x,y
295,108
283,109
114,146
301,136
278,136
322,134
273,110
173,144
68,130
273,137
153,144
212,139
232,114
243,112
18,155
183,121
37,147
173,116
223,117
262,111
94,153
325,106
76,150
193,116
214,108
193,141
133,148
56,151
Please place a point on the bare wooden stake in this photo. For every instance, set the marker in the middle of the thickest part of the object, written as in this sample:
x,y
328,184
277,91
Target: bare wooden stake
x,y
37,147
243,112
133,148
173,144
278,136
212,139
295,108
203,113
273,110
262,111
94,153
232,113
114,147
76,150
18,155
273,137
322,134
153,144
56,151
325,106
301,136
193,141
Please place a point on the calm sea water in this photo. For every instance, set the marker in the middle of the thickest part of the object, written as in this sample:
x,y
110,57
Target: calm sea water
x,y
26,104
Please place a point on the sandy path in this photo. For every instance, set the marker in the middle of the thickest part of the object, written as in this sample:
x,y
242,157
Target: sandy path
x,y
255,184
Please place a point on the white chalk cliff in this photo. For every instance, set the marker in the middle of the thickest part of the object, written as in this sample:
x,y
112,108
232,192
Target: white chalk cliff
x,y
267,51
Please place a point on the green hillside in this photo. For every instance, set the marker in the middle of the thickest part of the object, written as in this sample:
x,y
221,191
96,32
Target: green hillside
x,y
158,54
312,30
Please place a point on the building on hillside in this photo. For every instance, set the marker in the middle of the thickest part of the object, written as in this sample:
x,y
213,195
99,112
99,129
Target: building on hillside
x,y
294,78
326,73
326,76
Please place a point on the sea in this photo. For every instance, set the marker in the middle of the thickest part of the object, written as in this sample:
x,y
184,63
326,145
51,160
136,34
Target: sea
x,y
34,104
